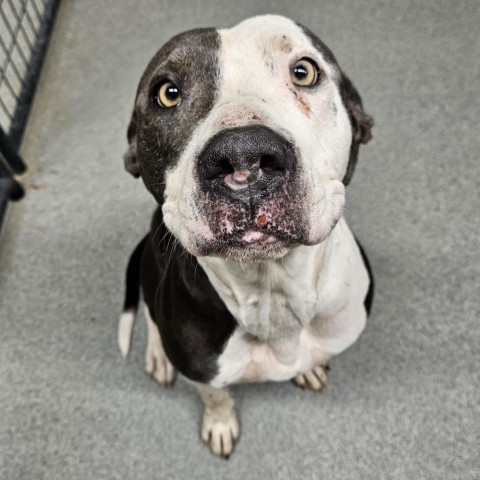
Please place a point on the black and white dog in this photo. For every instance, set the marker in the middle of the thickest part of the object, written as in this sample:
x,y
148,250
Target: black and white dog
x,y
246,137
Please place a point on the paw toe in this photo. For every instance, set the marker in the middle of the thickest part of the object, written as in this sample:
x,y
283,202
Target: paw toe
x,y
315,379
221,437
159,368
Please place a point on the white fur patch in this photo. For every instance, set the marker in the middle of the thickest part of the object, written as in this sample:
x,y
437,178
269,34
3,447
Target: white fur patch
x,y
220,428
125,328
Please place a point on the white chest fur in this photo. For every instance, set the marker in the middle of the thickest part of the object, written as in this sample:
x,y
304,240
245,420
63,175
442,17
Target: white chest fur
x,y
270,299
293,313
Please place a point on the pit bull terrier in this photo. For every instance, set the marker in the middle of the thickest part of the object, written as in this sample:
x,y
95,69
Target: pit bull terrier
x,y
246,138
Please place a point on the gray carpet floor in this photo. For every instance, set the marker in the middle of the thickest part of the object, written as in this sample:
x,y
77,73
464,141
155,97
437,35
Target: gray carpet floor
x,y
403,403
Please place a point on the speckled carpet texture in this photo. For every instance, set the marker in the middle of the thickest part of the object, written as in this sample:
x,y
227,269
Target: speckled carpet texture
x,y
402,403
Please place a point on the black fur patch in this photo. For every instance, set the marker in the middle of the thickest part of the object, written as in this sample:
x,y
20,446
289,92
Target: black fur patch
x,y
190,60
194,322
371,288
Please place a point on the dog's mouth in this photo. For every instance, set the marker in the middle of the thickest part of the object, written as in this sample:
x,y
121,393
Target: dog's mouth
x,y
250,245
260,229
252,237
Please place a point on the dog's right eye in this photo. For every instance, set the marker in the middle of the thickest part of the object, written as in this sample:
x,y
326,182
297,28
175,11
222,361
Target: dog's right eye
x,y
305,73
168,95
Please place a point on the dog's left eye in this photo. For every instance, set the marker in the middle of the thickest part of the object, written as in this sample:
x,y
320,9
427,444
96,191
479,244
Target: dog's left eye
x,y
168,95
305,73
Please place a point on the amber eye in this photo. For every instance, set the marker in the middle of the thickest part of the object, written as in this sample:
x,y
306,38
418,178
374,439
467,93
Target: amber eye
x,y
305,73
168,95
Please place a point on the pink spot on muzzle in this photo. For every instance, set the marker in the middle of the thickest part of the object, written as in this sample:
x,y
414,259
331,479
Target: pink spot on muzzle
x,y
261,220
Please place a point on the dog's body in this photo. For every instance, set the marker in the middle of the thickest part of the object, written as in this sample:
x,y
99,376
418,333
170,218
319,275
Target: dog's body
x,y
249,273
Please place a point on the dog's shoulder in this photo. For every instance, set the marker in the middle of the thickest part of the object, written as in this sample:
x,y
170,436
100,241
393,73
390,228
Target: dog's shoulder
x,y
194,322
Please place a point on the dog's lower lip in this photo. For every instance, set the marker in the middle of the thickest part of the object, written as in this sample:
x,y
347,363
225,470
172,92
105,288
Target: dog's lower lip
x,y
252,236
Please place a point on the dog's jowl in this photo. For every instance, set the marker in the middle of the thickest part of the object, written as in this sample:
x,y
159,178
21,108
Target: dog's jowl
x,y
247,138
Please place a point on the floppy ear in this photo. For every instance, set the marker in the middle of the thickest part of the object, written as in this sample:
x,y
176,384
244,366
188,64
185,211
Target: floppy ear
x,y
130,157
362,123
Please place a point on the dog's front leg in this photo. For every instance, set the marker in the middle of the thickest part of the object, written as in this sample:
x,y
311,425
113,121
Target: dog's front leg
x,y
220,429
157,365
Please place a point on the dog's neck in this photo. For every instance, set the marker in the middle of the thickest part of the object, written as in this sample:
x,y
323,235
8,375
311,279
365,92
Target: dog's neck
x,y
273,298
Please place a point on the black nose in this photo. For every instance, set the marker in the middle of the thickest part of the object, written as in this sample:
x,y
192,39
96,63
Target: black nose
x,y
246,161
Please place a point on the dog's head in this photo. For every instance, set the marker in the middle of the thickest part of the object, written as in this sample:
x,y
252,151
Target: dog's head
x,y
246,137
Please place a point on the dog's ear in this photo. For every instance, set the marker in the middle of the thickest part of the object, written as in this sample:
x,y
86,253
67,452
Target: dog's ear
x,y
130,158
362,123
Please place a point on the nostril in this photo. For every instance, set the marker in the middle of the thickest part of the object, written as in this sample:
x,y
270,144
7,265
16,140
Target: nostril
x,y
271,163
223,168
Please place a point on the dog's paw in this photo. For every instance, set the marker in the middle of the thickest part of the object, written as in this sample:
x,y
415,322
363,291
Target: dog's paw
x,y
157,364
220,435
314,379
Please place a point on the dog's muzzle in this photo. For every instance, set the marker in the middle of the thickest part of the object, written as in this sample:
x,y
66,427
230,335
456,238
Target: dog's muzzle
x,y
246,163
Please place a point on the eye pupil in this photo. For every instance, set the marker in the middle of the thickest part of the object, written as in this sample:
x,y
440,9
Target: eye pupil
x,y
300,72
172,92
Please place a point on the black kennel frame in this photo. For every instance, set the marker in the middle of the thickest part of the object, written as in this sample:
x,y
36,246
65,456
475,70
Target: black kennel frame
x,y
25,29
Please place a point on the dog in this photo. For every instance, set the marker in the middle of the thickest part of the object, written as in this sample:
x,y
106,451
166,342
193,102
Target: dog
x,y
246,138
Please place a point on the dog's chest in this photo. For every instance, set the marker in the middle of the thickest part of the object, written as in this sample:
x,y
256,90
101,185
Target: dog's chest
x,y
248,359
274,305
270,300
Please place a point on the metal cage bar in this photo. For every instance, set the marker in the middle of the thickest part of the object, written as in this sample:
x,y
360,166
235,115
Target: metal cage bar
x,y
25,30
